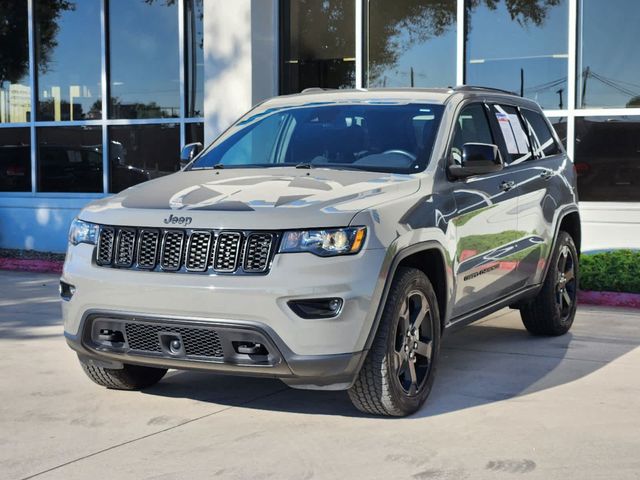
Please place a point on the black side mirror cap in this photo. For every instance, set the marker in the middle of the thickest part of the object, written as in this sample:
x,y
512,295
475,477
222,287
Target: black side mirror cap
x,y
189,152
477,159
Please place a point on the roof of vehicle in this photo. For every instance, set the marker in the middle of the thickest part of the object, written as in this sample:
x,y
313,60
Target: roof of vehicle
x,y
403,95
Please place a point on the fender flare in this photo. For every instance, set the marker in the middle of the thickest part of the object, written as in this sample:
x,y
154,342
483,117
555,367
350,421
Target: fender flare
x,y
389,275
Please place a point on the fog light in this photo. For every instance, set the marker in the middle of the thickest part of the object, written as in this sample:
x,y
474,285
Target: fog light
x,y
66,290
175,346
316,307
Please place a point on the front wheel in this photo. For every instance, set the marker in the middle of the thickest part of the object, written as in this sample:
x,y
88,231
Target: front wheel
x,y
552,311
398,373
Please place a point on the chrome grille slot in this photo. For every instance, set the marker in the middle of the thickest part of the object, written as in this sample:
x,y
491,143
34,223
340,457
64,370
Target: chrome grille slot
x,y
125,247
104,251
197,258
198,342
171,256
148,249
257,252
227,252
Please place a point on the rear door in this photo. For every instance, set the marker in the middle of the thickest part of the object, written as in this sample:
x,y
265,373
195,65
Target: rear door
x,y
485,222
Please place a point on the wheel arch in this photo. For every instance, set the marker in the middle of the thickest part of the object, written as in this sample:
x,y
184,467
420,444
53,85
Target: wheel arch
x,y
570,223
429,257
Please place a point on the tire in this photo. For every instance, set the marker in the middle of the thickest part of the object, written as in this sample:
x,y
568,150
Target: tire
x,y
130,377
398,373
552,311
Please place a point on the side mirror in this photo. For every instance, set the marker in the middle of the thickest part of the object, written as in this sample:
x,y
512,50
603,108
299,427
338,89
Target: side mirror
x,y
188,153
477,159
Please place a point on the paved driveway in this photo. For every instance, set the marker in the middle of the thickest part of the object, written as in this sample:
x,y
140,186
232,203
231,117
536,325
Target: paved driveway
x,y
504,405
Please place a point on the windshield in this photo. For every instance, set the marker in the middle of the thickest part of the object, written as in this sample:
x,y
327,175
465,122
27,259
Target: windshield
x,y
380,137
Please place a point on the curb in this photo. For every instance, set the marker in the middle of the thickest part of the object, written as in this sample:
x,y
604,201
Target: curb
x,y
31,265
609,299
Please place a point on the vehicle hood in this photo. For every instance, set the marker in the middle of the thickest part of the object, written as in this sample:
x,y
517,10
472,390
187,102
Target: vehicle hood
x,y
270,198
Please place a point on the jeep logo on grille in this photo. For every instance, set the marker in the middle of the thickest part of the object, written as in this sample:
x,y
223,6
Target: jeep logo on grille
x,y
172,219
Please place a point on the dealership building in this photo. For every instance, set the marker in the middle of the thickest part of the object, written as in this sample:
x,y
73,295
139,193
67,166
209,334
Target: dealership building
x,y
99,95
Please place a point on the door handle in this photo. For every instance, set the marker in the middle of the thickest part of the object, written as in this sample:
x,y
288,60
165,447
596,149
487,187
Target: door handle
x,y
546,174
507,185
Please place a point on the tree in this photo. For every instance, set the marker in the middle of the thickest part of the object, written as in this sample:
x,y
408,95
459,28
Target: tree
x,y
14,41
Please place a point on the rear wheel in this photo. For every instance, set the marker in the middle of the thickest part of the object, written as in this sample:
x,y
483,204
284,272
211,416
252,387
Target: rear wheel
x,y
130,377
552,311
398,373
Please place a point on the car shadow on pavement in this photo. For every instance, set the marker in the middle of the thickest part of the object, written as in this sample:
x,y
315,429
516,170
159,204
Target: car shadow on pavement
x,y
478,365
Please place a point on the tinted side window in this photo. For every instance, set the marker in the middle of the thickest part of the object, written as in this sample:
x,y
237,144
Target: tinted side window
x,y
544,143
514,133
472,126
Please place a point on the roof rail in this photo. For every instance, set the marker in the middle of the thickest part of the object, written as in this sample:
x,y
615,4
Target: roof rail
x,y
316,90
476,88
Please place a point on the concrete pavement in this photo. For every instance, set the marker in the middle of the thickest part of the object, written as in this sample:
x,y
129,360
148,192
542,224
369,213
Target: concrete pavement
x,y
504,404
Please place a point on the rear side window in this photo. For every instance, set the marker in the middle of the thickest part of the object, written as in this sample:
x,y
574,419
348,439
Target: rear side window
x,y
544,143
472,126
514,133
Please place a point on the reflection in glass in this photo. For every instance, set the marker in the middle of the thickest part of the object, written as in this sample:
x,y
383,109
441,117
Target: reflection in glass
x,y
69,159
608,60
15,94
318,44
15,160
412,43
194,55
68,59
519,46
194,132
560,126
607,158
144,60
138,153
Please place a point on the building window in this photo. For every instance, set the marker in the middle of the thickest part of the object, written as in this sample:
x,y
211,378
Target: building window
x,y
608,59
560,126
144,59
15,93
317,44
68,60
411,43
69,159
607,158
194,57
138,153
519,46
194,132
15,160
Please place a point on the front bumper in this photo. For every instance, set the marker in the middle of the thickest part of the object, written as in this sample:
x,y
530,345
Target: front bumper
x,y
311,353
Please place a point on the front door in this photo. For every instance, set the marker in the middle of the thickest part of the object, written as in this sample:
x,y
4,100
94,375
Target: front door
x,y
485,225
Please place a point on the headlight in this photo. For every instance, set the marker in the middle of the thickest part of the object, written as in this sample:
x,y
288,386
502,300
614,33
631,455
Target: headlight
x,y
83,232
325,243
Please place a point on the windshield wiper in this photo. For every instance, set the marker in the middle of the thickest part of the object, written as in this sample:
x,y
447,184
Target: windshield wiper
x,y
218,166
304,165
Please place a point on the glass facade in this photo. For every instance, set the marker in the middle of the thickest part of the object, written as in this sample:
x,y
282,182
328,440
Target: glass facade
x,y
318,44
578,59
67,49
608,61
55,54
70,159
411,43
519,46
15,82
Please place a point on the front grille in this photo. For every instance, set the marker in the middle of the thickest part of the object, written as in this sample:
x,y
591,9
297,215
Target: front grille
x,y
104,251
186,251
227,250
257,252
172,243
125,246
198,342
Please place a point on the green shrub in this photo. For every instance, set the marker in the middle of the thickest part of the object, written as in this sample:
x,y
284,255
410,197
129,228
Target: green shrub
x,y
615,271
